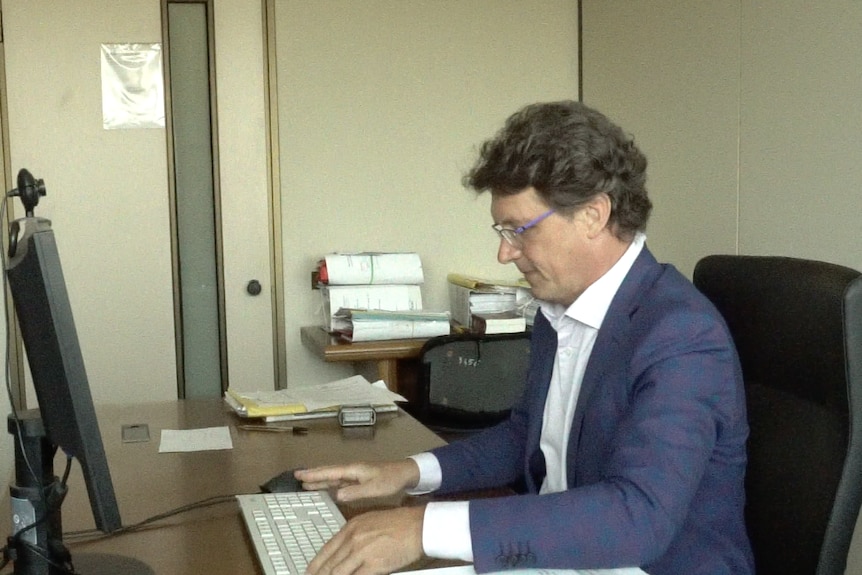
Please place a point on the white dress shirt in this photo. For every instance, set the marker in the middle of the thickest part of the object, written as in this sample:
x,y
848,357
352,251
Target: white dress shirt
x,y
446,526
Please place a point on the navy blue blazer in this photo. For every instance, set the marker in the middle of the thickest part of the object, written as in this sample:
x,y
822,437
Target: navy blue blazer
x,y
656,456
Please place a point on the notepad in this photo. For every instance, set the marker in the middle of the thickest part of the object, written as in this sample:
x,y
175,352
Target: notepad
x,y
314,401
203,439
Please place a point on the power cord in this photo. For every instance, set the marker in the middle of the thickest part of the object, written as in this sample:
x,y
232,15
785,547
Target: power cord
x,y
52,502
95,534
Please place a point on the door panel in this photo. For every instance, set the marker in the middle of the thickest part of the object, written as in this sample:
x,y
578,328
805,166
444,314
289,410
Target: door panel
x,y
245,196
197,254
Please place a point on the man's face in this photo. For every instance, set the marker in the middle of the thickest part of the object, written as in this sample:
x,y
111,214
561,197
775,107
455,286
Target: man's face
x,y
554,255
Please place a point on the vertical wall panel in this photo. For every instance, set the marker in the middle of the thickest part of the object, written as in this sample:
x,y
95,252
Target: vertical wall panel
x,y
801,115
667,72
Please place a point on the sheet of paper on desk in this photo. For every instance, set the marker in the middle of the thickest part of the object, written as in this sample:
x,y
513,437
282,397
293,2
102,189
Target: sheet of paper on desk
x,y
468,570
203,439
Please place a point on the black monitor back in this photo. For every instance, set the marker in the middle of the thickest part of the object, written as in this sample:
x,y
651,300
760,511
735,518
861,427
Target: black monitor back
x,y
56,364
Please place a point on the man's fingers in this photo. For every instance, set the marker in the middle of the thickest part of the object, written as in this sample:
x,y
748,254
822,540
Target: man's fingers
x,y
320,486
319,474
326,477
336,556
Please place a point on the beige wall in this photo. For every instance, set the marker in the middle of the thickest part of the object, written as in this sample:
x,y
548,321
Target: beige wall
x,y
749,113
382,105
107,189
668,72
800,118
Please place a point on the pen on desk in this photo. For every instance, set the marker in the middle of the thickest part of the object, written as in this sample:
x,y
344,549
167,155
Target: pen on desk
x,y
274,428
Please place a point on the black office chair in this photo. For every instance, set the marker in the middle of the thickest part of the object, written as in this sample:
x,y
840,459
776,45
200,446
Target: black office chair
x,y
468,382
797,325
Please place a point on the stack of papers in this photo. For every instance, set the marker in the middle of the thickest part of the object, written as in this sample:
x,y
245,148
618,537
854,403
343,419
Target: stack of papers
x,y
313,401
379,297
476,283
491,302
368,268
369,280
376,325
469,295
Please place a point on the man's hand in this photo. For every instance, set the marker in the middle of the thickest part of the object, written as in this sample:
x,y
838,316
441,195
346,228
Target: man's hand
x,y
362,480
374,543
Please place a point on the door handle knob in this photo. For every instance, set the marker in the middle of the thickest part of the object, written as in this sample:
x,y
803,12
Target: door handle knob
x,y
253,287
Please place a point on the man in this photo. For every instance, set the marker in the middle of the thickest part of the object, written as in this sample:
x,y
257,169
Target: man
x,y
630,436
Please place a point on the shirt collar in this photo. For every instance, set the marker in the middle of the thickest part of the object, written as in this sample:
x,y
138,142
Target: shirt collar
x,y
592,305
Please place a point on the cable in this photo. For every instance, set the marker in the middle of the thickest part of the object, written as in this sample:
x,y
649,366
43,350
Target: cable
x,y
8,369
65,568
94,534
52,503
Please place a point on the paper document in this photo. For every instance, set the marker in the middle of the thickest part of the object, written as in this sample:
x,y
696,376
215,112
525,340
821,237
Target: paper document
x,y
464,302
204,439
374,268
376,325
313,400
385,297
469,570
475,283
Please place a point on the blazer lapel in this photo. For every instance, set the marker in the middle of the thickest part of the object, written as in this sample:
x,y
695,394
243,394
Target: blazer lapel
x,y
606,351
544,349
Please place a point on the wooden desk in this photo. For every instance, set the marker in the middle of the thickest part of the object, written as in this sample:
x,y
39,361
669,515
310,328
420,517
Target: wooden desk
x,y
392,356
213,540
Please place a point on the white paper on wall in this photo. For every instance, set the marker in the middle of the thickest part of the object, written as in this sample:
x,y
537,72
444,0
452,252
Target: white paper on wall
x,y
133,92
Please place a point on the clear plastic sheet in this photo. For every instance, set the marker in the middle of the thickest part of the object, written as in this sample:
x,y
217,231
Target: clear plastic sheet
x,y
133,93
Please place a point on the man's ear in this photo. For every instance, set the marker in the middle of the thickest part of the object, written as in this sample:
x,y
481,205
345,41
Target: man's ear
x,y
597,213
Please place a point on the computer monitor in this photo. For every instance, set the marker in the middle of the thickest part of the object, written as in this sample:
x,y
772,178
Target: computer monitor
x,y
66,417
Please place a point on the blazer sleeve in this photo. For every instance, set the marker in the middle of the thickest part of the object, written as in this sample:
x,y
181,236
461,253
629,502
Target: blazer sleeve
x,y
498,456
662,398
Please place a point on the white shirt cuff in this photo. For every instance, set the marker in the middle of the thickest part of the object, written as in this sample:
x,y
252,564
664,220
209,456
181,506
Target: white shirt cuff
x,y
446,531
430,474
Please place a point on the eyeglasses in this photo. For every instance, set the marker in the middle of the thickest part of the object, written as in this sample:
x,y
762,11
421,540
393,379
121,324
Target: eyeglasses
x,y
513,235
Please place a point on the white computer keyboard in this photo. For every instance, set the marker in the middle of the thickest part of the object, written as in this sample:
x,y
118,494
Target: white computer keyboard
x,y
288,529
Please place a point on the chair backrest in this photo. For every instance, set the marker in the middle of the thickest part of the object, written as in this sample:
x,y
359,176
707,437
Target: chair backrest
x,y
797,325
469,381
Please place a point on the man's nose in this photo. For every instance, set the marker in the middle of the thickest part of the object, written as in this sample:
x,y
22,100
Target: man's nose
x,y
507,253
